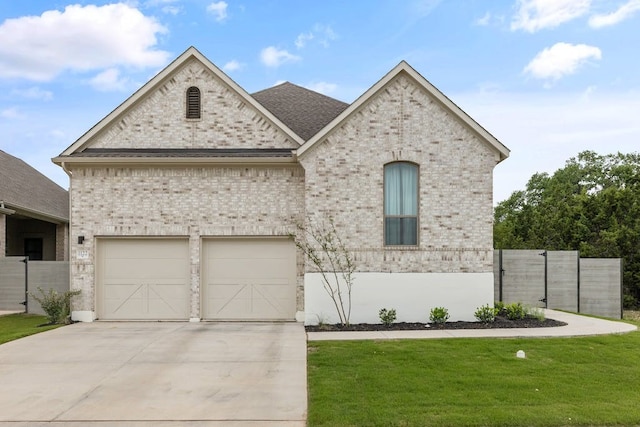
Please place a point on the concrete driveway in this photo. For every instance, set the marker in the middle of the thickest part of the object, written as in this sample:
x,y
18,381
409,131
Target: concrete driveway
x,y
156,374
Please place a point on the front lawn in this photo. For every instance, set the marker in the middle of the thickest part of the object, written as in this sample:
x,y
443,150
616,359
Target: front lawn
x,y
14,326
590,381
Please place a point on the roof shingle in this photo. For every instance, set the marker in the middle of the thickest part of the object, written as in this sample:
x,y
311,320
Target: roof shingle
x,y
23,186
304,111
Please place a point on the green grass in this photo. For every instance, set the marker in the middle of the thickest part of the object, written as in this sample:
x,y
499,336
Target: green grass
x,y
14,326
590,381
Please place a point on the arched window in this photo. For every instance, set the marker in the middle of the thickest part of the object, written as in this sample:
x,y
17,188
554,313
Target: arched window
x,y
400,204
193,103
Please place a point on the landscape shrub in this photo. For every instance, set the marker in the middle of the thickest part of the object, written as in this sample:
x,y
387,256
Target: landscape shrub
x,y
515,311
485,314
55,305
387,317
439,315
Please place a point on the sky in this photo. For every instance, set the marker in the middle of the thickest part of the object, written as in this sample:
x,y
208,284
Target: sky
x,y
548,78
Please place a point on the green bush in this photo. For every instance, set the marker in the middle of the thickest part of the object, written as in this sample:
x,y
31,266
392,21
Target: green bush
x,y
439,315
485,314
629,302
387,317
515,311
55,305
499,306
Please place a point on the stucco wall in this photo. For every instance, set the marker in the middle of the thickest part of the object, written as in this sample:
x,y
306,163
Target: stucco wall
x,y
344,180
158,120
179,201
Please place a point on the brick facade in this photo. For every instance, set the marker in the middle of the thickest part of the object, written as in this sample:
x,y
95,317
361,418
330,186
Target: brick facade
x,y
3,235
180,201
344,179
62,242
158,121
340,176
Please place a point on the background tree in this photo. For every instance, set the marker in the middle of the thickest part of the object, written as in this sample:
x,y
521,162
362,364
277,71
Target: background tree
x,y
591,205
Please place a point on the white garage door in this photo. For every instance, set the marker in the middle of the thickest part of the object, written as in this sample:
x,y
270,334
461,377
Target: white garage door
x,y
143,279
249,279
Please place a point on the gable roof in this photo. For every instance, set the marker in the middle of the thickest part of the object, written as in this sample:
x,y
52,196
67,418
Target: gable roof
x,y
302,110
25,189
446,103
84,141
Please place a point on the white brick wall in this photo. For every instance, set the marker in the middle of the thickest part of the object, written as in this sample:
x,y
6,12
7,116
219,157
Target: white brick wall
x,y
179,201
344,179
158,121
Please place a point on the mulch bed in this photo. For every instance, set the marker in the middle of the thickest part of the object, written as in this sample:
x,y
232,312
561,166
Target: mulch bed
x,y
500,322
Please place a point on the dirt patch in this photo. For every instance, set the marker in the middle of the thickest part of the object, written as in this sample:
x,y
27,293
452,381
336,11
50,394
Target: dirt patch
x,y
500,322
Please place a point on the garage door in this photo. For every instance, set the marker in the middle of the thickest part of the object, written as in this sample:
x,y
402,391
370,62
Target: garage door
x,y
249,279
143,279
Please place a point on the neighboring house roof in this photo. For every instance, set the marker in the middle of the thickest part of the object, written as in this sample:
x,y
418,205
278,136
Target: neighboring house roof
x,y
27,191
445,102
303,110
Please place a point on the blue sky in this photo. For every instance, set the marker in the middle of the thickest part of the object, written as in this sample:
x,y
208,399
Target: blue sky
x,y
548,78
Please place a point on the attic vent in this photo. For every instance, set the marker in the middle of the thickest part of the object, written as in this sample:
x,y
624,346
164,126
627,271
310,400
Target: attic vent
x,y
193,103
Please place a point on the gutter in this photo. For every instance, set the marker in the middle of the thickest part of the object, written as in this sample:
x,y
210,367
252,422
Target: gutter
x,y
34,213
168,161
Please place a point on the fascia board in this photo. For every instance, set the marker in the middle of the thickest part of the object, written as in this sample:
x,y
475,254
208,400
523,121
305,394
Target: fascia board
x,y
169,161
36,214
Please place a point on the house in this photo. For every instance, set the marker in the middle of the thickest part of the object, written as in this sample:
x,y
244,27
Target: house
x,y
184,197
34,213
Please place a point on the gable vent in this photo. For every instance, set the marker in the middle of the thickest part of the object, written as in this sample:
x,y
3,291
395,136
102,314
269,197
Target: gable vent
x,y
193,103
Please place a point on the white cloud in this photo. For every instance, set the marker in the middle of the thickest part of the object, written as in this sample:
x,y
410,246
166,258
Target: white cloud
x,y
534,15
33,93
322,34
322,87
171,10
11,113
233,65
273,57
109,80
166,6
625,11
219,9
80,38
302,39
484,21
560,60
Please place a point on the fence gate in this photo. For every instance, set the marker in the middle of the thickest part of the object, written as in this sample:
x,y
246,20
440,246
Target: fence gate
x,y
16,276
522,277
559,280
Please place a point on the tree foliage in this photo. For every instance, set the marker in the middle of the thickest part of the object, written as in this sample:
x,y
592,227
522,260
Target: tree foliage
x,y
323,247
591,205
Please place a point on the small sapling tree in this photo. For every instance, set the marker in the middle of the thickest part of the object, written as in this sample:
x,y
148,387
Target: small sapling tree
x,y
323,247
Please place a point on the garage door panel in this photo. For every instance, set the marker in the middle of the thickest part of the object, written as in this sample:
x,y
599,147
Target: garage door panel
x,y
141,268
143,279
249,279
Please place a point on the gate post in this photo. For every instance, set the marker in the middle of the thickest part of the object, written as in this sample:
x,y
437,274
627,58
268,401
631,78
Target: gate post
x,y
26,283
